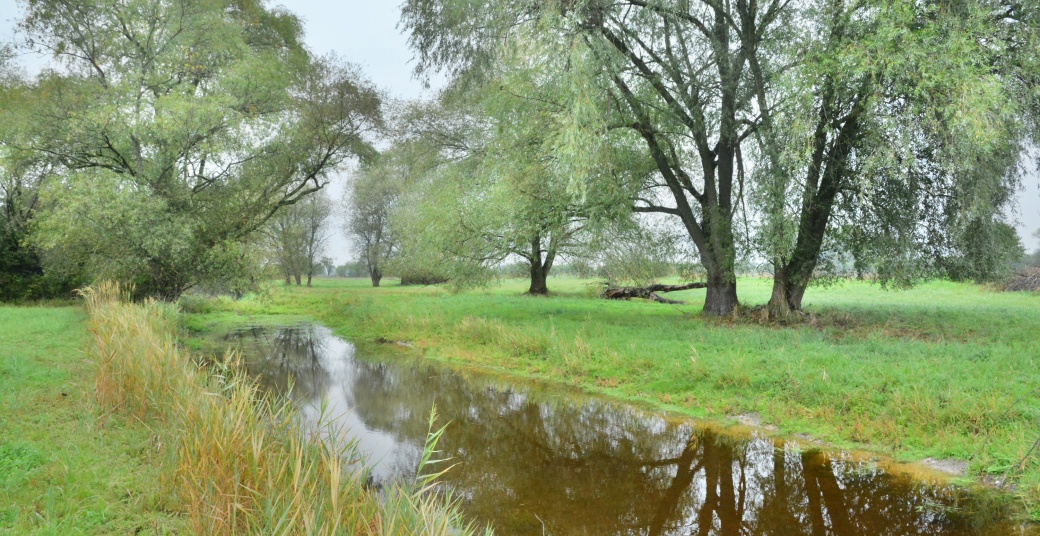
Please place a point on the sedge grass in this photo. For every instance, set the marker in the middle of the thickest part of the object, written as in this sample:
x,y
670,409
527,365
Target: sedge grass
x,y
237,462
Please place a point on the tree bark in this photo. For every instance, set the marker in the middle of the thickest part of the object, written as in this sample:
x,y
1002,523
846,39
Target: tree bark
x,y
721,298
649,292
539,268
538,276
787,294
376,275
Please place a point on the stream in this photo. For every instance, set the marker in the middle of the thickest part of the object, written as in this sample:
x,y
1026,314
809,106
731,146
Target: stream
x,y
538,459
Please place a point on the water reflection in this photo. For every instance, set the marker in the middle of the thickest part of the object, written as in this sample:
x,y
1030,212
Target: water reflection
x,y
534,462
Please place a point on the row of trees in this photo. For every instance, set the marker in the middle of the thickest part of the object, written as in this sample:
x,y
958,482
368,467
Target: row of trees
x,y
186,143
808,134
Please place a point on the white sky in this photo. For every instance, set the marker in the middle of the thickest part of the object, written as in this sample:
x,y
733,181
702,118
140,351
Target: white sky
x,y
365,32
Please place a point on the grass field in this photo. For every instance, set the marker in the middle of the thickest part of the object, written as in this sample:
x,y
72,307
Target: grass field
x,y
64,468
945,370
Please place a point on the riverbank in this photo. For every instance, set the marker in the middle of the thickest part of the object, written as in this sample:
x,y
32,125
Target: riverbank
x,y
111,427
65,467
945,371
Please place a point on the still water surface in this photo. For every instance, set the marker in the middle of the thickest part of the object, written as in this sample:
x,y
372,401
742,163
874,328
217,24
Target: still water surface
x,y
534,460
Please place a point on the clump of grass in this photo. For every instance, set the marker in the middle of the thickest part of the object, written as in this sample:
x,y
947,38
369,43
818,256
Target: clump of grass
x,y
240,463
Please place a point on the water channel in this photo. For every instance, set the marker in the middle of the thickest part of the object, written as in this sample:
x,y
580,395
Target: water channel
x,y
539,460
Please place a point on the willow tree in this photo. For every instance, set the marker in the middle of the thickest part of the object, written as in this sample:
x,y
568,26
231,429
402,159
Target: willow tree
x,y
677,78
21,178
370,201
179,128
493,187
298,235
763,118
903,153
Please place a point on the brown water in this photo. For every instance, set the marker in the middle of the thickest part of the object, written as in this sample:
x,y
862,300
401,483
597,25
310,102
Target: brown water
x,y
538,460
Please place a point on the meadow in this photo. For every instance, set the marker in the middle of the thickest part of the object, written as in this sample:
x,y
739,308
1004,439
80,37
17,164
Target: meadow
x,y
66,467
945,370
111,427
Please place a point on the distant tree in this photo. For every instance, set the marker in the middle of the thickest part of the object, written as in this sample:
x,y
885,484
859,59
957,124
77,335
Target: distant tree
x,y
351,269
493,187
286,244
328,266
317,214
987,253
1031,259
179,128
372,197
298,235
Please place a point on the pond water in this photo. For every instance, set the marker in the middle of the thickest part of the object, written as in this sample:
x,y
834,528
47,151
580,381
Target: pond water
x,y
545,460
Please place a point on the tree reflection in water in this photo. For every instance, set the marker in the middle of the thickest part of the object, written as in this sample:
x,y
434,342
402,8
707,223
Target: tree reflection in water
x,y
533,461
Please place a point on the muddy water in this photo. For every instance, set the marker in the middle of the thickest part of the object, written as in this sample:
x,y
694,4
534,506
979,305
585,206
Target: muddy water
x,y
533,460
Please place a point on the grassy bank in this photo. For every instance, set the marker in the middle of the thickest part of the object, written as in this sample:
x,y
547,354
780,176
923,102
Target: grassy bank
x,y
236,462
945,370
109,427
66,467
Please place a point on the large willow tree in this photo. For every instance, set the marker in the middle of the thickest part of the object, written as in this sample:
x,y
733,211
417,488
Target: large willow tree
x,y
779,124
179,127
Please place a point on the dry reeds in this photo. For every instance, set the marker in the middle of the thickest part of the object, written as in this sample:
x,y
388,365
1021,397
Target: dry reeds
x,y
239,463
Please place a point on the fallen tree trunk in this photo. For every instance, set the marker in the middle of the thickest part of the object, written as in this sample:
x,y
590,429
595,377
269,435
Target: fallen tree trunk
x,y
649,292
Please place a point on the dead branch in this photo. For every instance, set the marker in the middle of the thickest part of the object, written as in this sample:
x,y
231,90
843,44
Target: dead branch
x,y
649,292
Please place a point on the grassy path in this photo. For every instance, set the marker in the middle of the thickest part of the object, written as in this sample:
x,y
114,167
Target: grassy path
x,y
63,468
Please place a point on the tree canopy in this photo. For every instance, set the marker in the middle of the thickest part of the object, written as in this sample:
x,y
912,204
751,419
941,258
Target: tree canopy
x,y
796,131
177,129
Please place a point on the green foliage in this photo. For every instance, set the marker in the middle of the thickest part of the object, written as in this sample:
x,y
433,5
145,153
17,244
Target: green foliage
x,y
22,276
990,249
495,177
194,121
374,195
799,133
297,236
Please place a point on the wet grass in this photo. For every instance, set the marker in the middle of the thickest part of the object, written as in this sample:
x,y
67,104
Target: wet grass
x,y
237,462
65,467
944,371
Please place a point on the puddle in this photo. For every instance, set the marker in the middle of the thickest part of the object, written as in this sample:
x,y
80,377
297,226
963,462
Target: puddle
x,y
545,460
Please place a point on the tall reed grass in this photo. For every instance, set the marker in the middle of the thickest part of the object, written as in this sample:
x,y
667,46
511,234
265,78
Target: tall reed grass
x,y
237,462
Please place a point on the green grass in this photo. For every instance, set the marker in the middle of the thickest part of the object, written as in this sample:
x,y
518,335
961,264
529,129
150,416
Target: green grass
x,y
239,462
65,468
945,370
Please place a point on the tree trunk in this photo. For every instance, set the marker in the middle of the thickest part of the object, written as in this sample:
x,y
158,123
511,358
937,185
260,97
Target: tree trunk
x,y
787,294
649,292
827,172
309,279
539,269
299,279
721,298
538,276
376,275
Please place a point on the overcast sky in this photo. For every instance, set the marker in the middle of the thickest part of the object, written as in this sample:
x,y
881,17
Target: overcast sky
x,y
365,32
